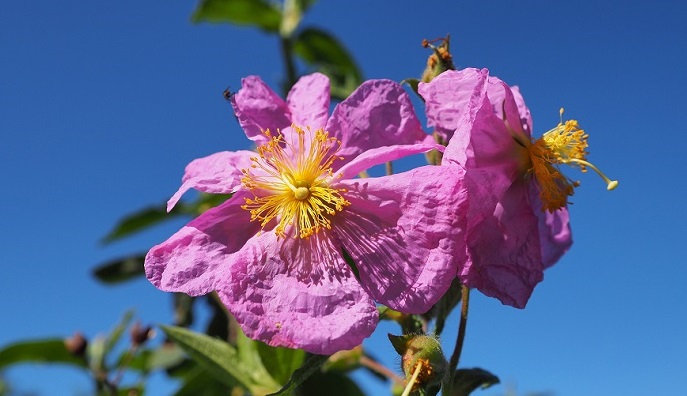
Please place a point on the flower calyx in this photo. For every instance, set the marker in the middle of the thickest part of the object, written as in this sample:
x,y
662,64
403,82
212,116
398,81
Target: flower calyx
x,y
422,361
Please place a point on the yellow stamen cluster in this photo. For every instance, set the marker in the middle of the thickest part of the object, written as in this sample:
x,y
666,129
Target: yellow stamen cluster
x,y
290,181
564,144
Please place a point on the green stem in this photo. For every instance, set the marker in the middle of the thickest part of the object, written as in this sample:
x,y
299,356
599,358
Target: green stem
x,y
290,66
465,296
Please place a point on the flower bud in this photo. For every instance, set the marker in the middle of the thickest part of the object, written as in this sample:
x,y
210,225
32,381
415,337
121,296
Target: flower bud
x,y
440,60
139,334
421,353
76,344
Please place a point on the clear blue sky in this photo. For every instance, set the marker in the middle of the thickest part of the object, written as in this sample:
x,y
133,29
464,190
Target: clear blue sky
x,y
103,104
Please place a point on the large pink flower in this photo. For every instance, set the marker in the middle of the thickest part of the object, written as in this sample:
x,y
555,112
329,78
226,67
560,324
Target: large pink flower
x,y
518,222
303,249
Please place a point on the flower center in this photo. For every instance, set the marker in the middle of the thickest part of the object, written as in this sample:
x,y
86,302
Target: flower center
x,y
564,144
290,181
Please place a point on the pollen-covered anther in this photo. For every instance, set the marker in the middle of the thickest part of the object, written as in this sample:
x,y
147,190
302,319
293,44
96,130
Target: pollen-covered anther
x,y
564,144
292,182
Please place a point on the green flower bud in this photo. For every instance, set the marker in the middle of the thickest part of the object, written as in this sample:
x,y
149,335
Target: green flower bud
x,y
421,354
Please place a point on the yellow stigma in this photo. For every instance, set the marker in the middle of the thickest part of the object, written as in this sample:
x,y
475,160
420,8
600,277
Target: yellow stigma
x,y
564,144
290,181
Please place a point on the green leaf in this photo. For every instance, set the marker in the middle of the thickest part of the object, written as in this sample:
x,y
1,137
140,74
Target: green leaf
x,y
336,384
250,357
280,362
445,305
120,270
166,356
200,382
311,365
413,83
321,50
259,13
139,221
465,381
39,351
117,332
220,359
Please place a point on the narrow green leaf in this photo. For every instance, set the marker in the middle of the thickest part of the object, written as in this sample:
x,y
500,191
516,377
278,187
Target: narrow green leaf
x,y
121,269
219,358
139,221
414,84
259,13
114,337
465,381
39,351
321,50
311,365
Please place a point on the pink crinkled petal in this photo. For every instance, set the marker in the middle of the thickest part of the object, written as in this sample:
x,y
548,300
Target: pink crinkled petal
x,y
258,108
406,234
485,147
378,113
308,101
298,293
381,155
450,95
503,100
192,260
523,110
219,173
505,250
554,229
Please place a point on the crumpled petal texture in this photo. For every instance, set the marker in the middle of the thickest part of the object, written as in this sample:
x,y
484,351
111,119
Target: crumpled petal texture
x,y
402,230
405,233
510,239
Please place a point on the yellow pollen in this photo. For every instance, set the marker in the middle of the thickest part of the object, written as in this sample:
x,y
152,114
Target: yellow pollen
x,y
564,144
291,182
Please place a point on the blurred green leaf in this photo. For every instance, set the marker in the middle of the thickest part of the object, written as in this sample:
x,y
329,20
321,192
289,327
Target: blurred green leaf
x,y
336,384
153,215
166,356
465,381
39,351
220,359
200,382
311,365
280,362
321,50
116,334
121,269
259,13
140,220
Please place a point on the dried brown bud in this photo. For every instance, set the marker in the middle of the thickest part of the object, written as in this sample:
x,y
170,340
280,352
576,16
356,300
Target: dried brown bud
x,y
140,334
76,344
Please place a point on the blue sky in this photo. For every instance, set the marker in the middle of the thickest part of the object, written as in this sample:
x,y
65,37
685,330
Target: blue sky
x,y
103,104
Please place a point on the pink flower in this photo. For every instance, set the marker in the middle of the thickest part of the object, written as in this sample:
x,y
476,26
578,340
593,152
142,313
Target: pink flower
x,y
518,221
277,251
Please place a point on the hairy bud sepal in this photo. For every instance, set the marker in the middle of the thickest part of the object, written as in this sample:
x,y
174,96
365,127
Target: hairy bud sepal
x,y
422,361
